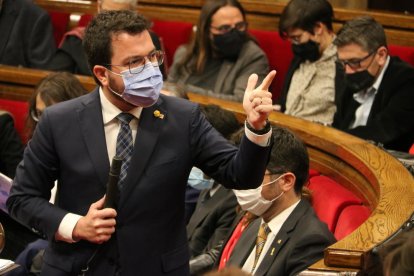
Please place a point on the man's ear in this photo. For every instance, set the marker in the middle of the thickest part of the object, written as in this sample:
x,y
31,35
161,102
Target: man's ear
x,y
382,54
100,73
318,29
289,180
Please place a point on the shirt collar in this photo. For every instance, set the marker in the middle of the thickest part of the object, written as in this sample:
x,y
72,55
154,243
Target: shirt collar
x,y
110,111
276,223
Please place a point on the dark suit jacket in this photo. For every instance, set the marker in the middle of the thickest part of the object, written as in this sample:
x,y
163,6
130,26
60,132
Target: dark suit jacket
x,y
390,121
150,239
299,243
211,220
11,147
26,35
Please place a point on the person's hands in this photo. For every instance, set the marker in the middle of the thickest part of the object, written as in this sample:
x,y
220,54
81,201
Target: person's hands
x,y
257,102
98,225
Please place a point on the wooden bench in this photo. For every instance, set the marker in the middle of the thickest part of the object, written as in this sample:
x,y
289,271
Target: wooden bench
x,y
385,187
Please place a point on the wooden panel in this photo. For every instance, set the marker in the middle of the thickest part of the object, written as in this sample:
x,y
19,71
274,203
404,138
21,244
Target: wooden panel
x,y
383,183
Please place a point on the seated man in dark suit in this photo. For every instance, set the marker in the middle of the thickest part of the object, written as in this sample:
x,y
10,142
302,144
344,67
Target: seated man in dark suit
x,y
288,236
70,55
375,96
11,147
26,34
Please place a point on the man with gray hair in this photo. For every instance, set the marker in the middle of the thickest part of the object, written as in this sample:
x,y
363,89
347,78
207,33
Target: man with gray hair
x,y
374,91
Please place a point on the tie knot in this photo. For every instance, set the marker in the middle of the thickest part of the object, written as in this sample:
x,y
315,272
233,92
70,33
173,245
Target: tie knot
x,y
125,118
264,230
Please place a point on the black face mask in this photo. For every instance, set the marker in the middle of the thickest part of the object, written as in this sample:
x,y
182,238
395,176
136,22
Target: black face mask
x,y
307,51
229,45
359,81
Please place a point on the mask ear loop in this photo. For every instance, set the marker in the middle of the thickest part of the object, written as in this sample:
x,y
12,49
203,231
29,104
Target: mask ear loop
x,y
273,181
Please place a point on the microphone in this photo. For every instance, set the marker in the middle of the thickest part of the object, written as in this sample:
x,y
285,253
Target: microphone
x,y
112,191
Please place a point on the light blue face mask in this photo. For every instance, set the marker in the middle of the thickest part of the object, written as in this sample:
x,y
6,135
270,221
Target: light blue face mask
x,y
142,89
197,180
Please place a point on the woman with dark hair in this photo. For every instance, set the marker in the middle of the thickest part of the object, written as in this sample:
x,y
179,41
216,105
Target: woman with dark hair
x,y
222,54
55,88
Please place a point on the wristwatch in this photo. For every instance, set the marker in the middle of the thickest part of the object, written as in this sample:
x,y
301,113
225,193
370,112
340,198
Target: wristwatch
x,y
262,131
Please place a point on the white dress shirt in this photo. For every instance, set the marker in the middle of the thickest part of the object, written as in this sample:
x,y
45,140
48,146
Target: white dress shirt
x,y
275,224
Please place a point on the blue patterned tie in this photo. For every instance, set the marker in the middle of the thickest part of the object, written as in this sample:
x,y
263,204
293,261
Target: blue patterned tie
x,y
124,145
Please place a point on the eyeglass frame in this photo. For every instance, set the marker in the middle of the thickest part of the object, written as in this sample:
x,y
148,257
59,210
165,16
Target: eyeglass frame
x,y
226,28
34,115
344,63
144,61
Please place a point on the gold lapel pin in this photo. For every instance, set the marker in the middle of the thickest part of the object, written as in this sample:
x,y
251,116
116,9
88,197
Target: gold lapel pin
x,y
273,251
158,114
279,241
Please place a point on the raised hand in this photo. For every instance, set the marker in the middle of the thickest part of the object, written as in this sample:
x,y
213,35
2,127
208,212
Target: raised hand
x,y
257,102
98,225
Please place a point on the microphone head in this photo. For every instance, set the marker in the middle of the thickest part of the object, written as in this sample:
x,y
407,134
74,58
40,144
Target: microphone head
x,y
116,165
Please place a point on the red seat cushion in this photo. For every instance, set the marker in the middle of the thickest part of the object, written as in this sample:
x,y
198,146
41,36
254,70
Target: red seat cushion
x,y
350,219
19,111
60,22
84,20
172,34
313,172
329,198
412,149
406,53
279,54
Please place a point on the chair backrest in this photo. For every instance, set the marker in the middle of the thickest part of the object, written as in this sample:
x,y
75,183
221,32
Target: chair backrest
x,y
19,110
84,20
329,199
351,218
60,22
406,53
279,54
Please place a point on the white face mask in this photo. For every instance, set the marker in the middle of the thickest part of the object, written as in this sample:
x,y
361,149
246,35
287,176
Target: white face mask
x,y
252,200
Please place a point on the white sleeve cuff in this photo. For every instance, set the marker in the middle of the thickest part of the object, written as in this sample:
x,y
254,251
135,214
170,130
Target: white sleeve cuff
x,y
67,225
261,140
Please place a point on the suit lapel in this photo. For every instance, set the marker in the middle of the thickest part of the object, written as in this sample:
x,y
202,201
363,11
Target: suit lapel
x,y
90,116
223,74
204,207
281,238
145,141
7,20
245,244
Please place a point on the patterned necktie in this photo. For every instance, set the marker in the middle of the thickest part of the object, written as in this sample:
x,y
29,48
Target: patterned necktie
x,y
124,145
264,230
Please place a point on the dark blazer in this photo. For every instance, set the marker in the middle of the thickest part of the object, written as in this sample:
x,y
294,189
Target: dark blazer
x,y
26,35
211,220
11,147
390,121
299,243
150,239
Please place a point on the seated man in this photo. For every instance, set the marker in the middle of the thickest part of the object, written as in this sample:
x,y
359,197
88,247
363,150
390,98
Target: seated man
x,y
26,34
287,237
70,55
309,87
11,147
375,97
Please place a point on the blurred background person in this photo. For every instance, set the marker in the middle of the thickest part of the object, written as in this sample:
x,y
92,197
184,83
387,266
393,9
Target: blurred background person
x,y
222,54
309,87
11,147
26,36
374,96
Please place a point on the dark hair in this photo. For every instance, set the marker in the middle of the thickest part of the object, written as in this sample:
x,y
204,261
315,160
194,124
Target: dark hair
x,y
363,31
222,120
100,31
200,48
289,154
398,255
54,88
304,14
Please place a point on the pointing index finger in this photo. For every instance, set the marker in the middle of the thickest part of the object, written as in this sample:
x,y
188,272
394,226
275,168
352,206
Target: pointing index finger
x,y
267,80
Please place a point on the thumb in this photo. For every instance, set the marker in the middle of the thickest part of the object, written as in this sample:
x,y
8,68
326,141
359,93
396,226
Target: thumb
x,y
251,83
99,204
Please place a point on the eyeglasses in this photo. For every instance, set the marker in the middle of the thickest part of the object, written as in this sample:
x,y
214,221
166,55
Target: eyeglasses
x,y
35,115
355,63
241,26
295,39
137,64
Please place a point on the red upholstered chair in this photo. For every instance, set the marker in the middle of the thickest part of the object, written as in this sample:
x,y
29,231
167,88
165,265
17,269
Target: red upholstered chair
x,y
412,149
406,53
172,34
350,219
84,20
329,198
279,54
60,22
19,110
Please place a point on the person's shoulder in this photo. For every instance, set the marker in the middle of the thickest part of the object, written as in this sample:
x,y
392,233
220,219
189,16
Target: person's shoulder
x,y
250,48
398,67
177,103
28,9
5,117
